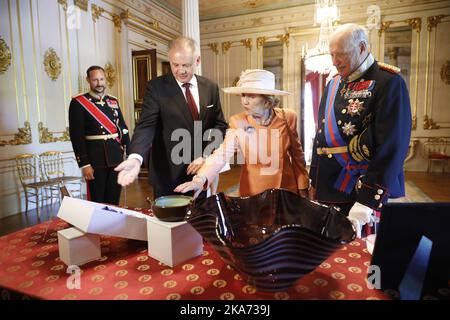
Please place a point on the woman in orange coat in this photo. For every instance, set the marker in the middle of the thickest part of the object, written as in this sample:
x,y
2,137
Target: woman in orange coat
x,y
265,138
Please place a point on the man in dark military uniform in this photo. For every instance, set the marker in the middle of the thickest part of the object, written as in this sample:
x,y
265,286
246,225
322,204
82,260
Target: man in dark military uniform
x,y
363,132
99,137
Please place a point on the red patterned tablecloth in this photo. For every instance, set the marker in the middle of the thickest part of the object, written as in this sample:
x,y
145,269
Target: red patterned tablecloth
x,y
30,265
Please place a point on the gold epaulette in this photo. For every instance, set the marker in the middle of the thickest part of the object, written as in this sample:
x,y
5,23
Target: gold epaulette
x,y
110,95
78,95
388,67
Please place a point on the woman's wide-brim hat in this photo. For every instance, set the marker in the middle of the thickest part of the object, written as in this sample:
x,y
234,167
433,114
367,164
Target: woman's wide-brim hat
x,y
256,81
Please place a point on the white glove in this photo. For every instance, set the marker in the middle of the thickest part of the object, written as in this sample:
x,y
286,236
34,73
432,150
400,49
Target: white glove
x,y
197,184
129,170
359,215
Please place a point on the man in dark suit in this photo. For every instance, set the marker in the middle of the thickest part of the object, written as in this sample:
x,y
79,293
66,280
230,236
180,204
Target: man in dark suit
x,y
99,137
181,114
363,132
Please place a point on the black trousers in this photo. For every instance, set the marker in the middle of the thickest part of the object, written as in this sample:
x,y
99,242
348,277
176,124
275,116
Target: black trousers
x,y
104,188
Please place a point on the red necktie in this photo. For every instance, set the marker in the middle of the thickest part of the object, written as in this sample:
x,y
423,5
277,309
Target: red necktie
x,y
191,101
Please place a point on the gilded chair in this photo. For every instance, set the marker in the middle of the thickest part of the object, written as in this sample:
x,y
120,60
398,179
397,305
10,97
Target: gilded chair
x,y
52,168
437,151
64,192
36,188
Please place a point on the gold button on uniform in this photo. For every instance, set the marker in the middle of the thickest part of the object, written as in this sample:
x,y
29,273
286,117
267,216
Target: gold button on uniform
x,y
344,111
339,122
380,191
330,156
359,184
377,197
380,205
323,120
320,130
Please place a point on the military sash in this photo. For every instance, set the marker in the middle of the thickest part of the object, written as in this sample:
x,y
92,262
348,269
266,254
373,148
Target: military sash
x,y
351,169
98,115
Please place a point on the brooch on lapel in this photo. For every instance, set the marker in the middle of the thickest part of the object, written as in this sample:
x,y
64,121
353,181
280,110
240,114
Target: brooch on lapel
x,y
249,129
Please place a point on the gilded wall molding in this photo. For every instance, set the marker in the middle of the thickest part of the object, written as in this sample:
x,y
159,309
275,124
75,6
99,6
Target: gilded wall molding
x,y
125,14
63,3
5,56
248,43
260,42
45,136
52,64
226,46
82,4
429,124
384,26
213,47
155,25
415,23
284,38
96,12
433,21
445,72
117,20
128,18
110,75
251,4
22,137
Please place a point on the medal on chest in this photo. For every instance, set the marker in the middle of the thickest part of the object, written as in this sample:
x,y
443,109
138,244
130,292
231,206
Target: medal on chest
x,y
348,129
101,102
355,107
112,103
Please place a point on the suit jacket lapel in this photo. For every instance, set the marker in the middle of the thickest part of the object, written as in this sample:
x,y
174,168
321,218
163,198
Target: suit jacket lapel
x,y
202,94
180,101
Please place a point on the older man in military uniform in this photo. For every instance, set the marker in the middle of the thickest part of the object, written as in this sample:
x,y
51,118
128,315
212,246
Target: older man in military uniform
x,y
99,137
363,132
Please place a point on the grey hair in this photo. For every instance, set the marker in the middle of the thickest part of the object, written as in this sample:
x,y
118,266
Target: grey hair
x,y
352,35
184,42
272,100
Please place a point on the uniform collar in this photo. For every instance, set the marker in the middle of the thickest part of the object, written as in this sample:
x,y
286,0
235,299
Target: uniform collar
x,y
366,64
96,95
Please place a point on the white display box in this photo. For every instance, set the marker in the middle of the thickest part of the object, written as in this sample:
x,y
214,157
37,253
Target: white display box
x,y
91,217
77,247
173,242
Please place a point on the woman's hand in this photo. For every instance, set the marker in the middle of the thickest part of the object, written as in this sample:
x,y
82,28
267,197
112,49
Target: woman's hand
x,y
195,165
197,184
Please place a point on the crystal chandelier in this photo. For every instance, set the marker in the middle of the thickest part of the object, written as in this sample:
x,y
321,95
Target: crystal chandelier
x,y
318,59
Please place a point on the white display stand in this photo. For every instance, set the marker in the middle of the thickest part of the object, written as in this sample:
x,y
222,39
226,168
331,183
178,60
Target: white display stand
x,y
173,242
77,247
92,217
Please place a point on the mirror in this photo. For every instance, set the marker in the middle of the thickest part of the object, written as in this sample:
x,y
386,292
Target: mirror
x,y
397,50
273,61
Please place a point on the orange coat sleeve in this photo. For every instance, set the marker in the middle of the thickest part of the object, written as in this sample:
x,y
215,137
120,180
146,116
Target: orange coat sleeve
x,y
296,151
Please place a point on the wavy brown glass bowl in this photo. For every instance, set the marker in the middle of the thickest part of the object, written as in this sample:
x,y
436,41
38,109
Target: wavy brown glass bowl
x,y
272,239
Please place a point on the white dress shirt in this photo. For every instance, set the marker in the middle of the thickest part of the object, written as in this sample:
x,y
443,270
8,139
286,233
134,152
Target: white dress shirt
x,y
194,91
